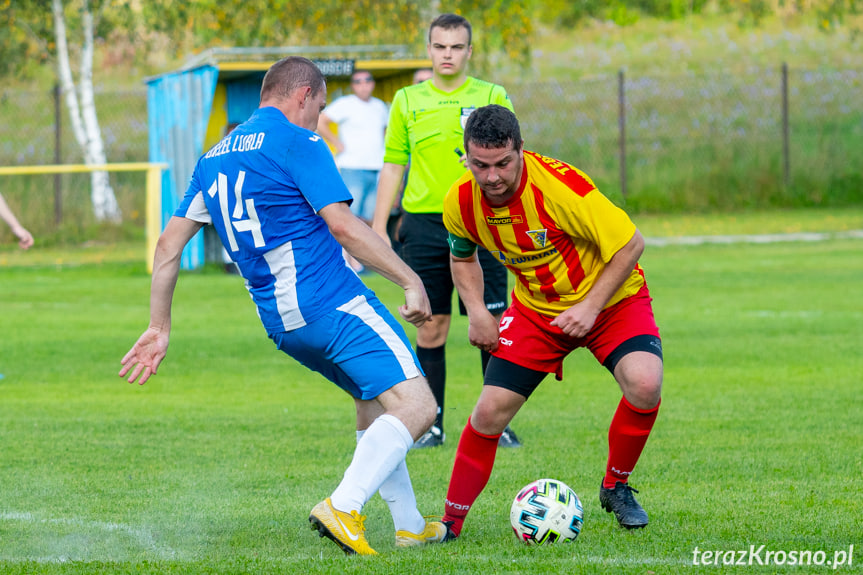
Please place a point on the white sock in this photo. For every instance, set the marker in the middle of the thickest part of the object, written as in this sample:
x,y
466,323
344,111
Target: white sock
x,y
382,447
398,492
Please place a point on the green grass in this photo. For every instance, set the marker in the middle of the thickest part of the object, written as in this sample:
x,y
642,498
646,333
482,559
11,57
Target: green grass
x,y
822,220
212,466
111,244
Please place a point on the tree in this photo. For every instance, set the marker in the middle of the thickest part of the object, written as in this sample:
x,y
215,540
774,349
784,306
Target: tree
x,y
37,30
85,123
25,30
500,25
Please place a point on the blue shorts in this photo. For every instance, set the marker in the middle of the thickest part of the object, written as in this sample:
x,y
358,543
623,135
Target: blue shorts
x,y
363,185
360,347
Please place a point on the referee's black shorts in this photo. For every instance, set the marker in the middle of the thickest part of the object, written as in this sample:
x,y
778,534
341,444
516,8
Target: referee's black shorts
x,y
424,248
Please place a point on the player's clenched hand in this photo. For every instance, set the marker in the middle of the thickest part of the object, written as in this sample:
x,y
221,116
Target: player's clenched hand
x,y
145,356
483,331
576,321
417,309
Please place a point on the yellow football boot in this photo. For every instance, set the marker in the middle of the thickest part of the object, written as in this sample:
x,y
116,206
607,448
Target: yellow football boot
x,y
434,532
345,529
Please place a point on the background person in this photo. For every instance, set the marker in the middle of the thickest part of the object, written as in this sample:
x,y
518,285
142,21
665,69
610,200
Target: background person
x,y
362,120
281,210
395,220
575,256
422,74
25,238
425,128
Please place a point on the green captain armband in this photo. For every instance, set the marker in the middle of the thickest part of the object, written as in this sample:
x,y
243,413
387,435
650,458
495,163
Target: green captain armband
x,y
460,247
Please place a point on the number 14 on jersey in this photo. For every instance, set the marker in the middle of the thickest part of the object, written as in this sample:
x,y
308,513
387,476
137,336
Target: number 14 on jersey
x,y
236,220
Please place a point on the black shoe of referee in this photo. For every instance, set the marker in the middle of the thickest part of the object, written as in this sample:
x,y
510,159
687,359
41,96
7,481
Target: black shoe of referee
x,y
434,437
508,438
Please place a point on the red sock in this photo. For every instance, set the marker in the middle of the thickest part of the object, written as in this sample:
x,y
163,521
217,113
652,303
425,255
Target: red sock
x,y
627,436
474,460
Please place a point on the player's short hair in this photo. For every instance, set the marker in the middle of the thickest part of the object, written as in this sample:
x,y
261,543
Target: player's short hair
x,y
450,22
291,73
492,126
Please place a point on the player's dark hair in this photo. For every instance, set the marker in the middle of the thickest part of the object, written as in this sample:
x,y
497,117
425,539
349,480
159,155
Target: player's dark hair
x,y
492,126
291,73
450,22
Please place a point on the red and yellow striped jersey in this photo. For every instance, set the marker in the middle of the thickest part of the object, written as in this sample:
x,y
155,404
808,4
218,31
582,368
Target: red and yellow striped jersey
x,y
556,234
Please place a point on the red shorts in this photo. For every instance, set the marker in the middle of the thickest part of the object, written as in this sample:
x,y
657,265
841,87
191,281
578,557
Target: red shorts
x,y
528,339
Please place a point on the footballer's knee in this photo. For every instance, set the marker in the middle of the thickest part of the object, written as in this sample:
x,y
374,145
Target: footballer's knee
x,y
413,403
424,408
488,423
427,412
644,394
640,379
494,410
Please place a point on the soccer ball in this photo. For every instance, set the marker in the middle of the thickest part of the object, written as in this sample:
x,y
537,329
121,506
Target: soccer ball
x,y
546,511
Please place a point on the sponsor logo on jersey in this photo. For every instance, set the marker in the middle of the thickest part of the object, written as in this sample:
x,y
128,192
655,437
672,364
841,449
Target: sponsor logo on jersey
x,y
538,237
315,138
575,180
504,341
556,165
504,220
465,113
523,258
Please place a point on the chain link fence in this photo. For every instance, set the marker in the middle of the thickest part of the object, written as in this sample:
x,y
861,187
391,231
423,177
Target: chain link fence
x,y
700,142
35,129
29,126
754,139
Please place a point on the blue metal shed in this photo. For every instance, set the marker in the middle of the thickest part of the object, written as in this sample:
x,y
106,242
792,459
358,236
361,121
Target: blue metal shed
x,y
189,110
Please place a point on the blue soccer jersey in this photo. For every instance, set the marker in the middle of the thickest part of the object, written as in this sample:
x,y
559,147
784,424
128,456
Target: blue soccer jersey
x,y
261,187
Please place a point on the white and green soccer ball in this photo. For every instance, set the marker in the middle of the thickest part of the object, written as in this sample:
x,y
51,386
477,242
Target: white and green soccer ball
x,y
546,511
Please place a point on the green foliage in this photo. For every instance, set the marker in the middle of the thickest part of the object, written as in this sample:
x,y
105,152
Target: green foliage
x,y
752,12
568,14
621,14
670,9
26,35
829,14
504,26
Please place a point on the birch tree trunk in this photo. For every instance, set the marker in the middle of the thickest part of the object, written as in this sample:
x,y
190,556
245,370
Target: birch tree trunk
x,y
85,124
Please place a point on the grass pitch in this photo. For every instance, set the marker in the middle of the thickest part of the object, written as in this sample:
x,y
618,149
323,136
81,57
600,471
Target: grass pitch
x,y
214,464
